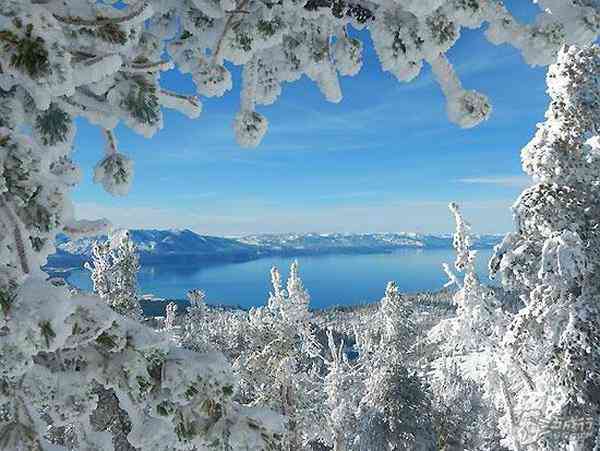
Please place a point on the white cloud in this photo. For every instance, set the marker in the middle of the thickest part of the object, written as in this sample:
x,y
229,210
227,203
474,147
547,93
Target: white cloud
x,y
145,217
249,217
511,181
429,216
348,195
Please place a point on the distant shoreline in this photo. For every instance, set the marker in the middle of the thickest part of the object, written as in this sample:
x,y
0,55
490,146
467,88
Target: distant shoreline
x,y
169,279
61,262
441,296
63,267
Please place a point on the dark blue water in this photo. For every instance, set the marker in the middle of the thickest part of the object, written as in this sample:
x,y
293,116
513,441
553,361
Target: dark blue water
x,y
330,280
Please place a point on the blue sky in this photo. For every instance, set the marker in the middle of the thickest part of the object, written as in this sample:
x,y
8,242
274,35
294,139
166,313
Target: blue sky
x,y
384,159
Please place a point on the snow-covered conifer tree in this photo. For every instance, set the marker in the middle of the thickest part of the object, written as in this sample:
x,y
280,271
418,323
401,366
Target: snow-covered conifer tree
x,y
392,391
277,297
114,269
298,298
195,321
463,417
290,304
389,334
479,320
396,318
197,312
126,266
551,369
274,369
100,268
395,412
342,386
170,316
213,329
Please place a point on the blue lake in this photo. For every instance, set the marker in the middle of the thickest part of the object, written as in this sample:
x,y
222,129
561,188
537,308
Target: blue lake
x,y
330,280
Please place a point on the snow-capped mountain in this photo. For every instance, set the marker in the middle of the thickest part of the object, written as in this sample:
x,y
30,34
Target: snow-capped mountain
x,y
181,246
158,246
326,243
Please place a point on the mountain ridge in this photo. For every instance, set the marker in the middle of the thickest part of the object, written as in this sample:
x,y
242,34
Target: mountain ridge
x,y
184,245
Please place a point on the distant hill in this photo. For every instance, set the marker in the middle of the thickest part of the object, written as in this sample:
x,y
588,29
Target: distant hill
x,y
161,246
359,243
183,246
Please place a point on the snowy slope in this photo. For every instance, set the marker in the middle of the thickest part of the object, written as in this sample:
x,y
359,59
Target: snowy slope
x,y
181,246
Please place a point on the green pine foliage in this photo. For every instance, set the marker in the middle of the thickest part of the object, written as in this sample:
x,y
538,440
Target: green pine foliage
x,y
142,102
29,53
53,125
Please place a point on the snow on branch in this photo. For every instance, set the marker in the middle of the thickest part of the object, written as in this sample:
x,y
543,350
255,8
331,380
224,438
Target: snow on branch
x,y
287,40
140,12
465,108
151,66
188,105
115,171
250,126
217,52
18,242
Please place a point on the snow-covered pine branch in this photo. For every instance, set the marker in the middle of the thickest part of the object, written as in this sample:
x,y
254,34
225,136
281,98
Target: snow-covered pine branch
x,y
57,347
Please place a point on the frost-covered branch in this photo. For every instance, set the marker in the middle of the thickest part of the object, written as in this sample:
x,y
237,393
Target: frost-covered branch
x,y
217,57
115,171
465,108
56,348
150,66
140,11
188,105
18,242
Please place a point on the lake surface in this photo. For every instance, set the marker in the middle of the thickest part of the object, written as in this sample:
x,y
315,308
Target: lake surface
x,y
330,280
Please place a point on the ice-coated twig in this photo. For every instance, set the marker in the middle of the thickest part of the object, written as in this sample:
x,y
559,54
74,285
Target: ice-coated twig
x,y
188,105
140,12
17,235
216,58
465,108
111,142
151,66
